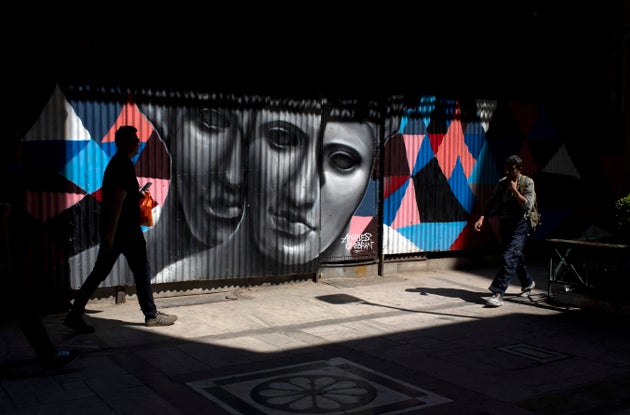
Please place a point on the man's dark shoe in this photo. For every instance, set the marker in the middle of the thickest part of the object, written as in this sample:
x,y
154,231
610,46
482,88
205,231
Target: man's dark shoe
x,y
76,323
60,360
160,319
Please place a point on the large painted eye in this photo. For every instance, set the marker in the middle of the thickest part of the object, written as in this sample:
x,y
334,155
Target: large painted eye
x,y
282,135
341,158
214,120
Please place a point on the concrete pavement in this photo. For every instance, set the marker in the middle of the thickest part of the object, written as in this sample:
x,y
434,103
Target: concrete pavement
x,y
413,343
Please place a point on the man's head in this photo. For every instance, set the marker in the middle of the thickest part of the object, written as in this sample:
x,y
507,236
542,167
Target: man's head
x,y
513,165
514,160
127,140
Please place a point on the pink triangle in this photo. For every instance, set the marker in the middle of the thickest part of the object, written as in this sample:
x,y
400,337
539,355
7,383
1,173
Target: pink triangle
x,y
130,115
412,148
358,224
407,213
45,205
453,147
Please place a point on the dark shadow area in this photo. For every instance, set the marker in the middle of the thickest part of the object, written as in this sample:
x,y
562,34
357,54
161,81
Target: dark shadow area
x,y
449,366
466,295
537,299
348,299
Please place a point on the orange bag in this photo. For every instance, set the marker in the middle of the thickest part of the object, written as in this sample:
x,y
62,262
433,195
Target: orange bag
x,y
146,209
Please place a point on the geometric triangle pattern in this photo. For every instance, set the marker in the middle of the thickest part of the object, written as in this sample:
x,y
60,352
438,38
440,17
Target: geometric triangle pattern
x,y
437,170
79,149
451,178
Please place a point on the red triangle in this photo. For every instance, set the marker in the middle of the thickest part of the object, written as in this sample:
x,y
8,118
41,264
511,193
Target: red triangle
x,y
393,183
435,140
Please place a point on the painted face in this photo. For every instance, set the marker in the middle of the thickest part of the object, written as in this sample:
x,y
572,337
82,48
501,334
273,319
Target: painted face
x,y
208,144
284,196
348,149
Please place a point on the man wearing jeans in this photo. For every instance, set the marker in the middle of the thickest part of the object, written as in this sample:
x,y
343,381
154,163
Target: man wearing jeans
x,y
513,204
121,233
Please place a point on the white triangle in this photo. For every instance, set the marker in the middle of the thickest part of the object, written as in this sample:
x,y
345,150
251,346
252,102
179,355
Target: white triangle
x,y
58,121
561,163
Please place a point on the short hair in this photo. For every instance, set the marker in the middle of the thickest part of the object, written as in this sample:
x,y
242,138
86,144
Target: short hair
x,y
124,134
514,160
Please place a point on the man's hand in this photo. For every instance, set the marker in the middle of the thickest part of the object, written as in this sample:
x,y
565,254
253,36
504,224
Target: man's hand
x,y
479,223
514,186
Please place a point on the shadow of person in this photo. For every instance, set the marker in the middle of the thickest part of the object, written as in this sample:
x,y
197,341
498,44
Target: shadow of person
x,y
475,297
466,295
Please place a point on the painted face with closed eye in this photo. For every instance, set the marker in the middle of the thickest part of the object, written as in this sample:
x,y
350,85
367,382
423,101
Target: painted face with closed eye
x,y
210,171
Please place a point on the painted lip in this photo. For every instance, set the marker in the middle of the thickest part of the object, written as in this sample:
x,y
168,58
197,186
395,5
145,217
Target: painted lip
x,y
292,226
223,208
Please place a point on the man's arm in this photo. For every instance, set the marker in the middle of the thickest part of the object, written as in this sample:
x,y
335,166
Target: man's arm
x,y
524,192
530,194
112,215
491,205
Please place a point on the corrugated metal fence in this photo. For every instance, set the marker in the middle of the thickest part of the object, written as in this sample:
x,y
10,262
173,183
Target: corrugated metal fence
x,y
259,186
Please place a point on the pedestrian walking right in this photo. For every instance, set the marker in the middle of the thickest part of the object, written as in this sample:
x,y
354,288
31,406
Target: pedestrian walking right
x,y
121,233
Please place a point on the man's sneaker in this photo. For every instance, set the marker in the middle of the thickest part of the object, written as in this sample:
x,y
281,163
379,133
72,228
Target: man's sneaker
x,y
529,287
76,323
60,360
160,319
495,301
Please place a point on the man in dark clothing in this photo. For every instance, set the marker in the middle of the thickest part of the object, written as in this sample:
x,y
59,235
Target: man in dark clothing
x,y
512,199
17,230
121,233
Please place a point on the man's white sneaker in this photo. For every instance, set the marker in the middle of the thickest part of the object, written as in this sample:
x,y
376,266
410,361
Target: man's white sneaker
x,y
495,301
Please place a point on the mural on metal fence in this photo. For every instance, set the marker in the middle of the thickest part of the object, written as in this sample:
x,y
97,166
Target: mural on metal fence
x,y
244,186
448,155
252,186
